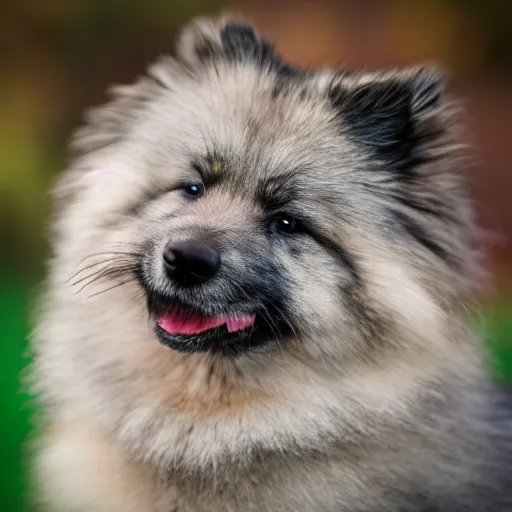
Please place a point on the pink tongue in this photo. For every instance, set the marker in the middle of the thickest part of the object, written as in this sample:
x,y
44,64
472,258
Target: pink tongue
x,y
190,322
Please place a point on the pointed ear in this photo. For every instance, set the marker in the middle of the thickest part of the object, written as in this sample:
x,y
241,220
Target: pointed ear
x,y
394,115
229,39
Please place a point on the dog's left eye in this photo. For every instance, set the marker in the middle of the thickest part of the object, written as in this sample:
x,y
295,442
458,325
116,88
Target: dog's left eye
x,y
285,224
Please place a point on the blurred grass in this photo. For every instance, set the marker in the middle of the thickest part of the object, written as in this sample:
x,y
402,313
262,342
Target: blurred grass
x,y
497,330
15,418
16,413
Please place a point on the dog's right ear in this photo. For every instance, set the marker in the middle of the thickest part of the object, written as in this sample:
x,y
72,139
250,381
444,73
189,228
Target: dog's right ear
x,y
223,38
230,40
199,40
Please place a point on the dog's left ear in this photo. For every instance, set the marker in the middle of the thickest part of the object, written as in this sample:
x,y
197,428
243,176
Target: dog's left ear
x,y
393,114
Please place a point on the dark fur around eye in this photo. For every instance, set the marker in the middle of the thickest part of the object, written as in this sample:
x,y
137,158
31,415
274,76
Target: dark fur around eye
x,y
288,227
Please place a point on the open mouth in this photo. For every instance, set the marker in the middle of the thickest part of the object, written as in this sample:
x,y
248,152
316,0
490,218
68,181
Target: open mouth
x,y
187,329
189,322
198,326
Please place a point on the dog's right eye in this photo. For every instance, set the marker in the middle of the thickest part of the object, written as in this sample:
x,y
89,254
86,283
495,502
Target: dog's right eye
x,y
193,191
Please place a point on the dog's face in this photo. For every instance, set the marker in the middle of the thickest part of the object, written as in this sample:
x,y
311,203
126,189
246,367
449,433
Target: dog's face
x,y
257,205
236,249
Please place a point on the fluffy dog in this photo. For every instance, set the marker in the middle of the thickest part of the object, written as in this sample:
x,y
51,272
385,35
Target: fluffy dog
x,y
260,295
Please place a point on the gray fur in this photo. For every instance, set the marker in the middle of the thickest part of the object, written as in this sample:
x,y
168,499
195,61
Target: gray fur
x,y
375,396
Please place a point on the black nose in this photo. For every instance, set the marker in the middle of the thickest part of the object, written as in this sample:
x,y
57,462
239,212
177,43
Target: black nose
x,y
190,262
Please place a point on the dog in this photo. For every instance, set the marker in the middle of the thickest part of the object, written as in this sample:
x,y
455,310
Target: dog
x,y
261,293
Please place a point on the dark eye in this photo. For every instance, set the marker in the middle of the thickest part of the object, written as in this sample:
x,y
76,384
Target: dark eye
x,y
285,224
194,191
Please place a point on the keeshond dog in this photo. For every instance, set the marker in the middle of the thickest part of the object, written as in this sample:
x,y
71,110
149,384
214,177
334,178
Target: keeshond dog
x,y
261,294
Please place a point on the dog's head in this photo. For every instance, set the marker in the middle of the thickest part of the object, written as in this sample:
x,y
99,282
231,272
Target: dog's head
x,y
259,221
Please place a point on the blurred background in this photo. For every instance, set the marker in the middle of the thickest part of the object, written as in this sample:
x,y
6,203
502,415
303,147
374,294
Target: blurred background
x,y
58,56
